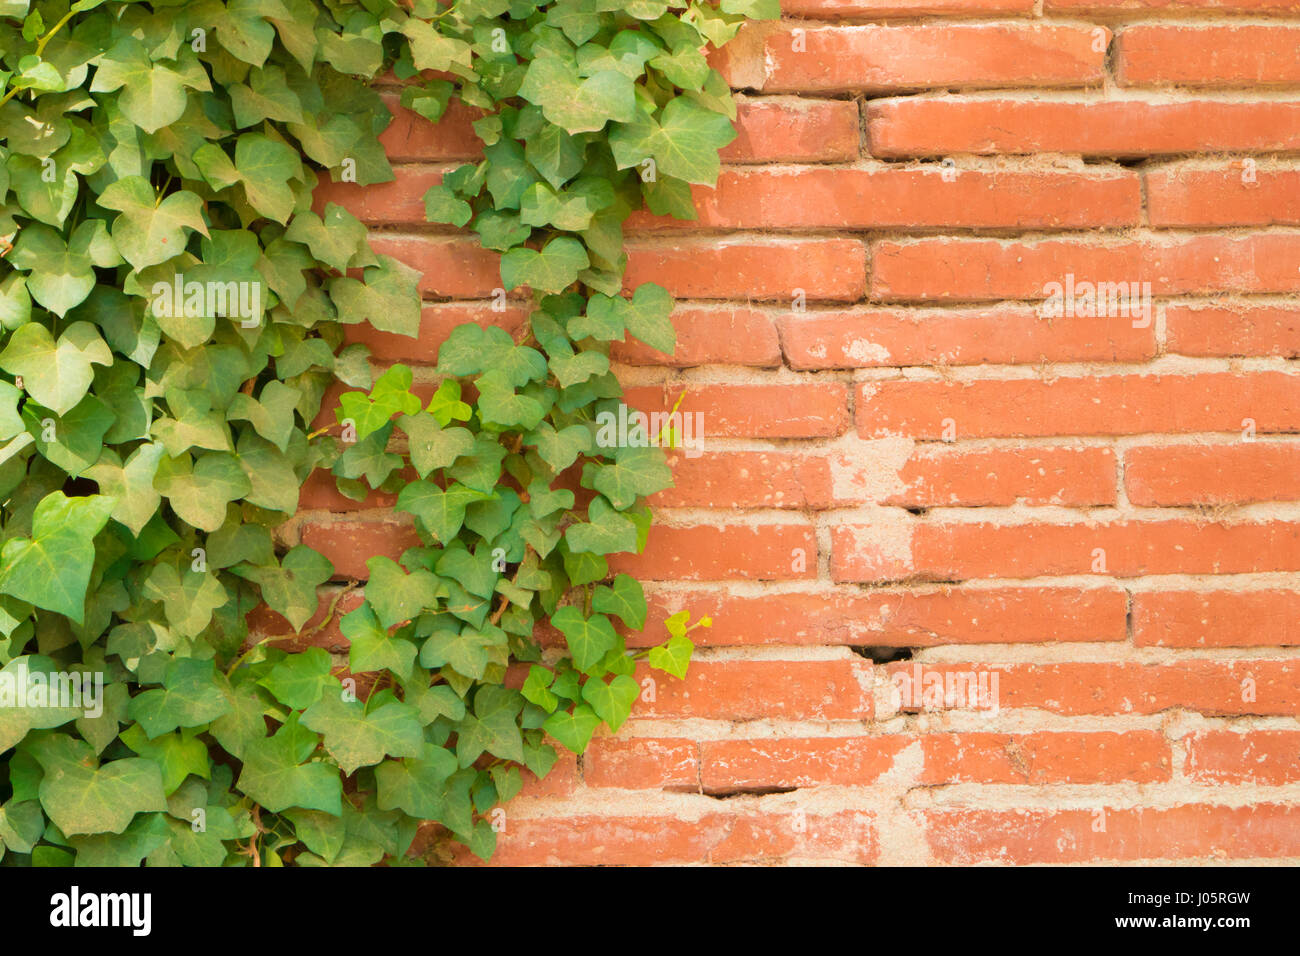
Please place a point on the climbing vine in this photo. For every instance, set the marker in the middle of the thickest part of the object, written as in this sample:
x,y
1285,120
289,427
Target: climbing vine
x,y
173,313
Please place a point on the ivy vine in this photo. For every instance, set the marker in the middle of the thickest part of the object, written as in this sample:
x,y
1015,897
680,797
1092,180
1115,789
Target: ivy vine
x,y
172,315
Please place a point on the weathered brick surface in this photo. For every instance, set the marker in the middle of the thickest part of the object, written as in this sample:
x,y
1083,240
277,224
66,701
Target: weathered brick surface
x,y
1042,563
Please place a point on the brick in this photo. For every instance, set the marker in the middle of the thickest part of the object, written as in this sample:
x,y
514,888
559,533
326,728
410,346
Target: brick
x,y
1256,55
998,335
350,542
316,632
1044,759
960,551
1073,477
600,840
805,409
1231,194
773,764
450,267
398,201
1018,837
1237,473
1209,687
1236,329
1264,618
789,129
743,268
1214,6
412,138
1263,757
990,269
436,322
1080,405
813,197
642,763
711,335
767,552
771,690
1092,127
830,9
944,55
746,479
914,617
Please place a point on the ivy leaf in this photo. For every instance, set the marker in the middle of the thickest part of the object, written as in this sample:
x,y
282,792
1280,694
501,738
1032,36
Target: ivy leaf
x,y
151,230
374,648
683,141
188,597
130,484
637,471
51,569
299,680
578,105
199,492
391,395
190,696
388,299
442,512
645,315
431,445
154,94
63,275
275,776
265,168
356,737
416,785
626,599
673,656
574,729
536,688
57,375
467,649
606,531
611,702
493,726
552,269
589,638
80,795
290,589
441,205
397,596
338,239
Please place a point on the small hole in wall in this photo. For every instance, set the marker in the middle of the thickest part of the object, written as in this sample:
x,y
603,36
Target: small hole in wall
x,y
884,655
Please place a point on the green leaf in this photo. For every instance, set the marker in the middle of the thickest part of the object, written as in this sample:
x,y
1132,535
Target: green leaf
x,y
373,648
356,737
573,730
612,702
683,141
290,589
606,532
388,298
57,375
51,569
442,512
673,656
493,726
431,445
552,269
589,638
626,599
199,492
275,776
150,229
190,696
80,795
299,680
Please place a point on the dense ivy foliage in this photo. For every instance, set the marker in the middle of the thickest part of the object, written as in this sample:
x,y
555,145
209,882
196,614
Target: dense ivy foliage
x,y
173,313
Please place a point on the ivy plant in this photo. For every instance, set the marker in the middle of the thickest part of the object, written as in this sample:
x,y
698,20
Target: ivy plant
x,y
172,316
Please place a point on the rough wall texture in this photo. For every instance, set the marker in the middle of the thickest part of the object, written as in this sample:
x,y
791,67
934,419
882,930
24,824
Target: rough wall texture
x,y
1083,530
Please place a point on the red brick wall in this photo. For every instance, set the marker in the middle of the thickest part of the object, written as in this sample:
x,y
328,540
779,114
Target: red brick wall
x,y
1103,516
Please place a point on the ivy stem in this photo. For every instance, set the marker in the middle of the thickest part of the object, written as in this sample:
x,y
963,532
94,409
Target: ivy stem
x,y
40,48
